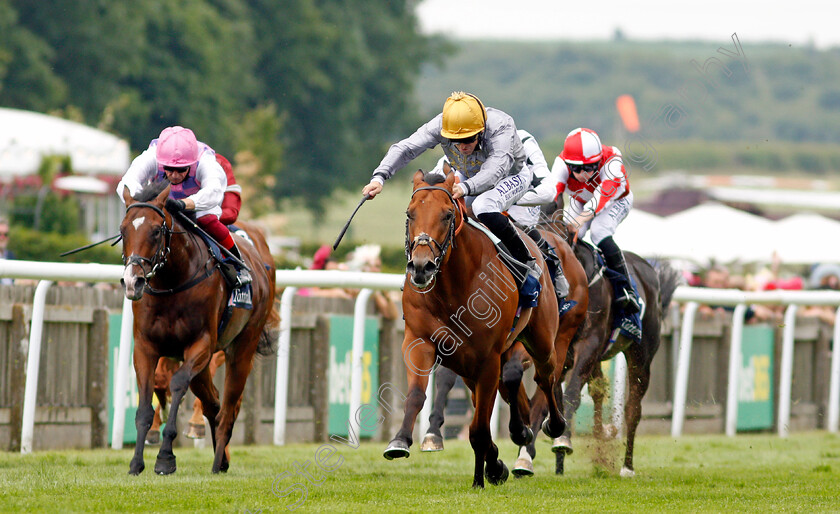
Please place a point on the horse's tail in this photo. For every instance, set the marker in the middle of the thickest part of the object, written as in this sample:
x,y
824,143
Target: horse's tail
x,y
268,338
669,280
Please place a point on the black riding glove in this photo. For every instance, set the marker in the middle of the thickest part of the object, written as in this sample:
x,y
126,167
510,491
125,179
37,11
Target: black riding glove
x,y
174,206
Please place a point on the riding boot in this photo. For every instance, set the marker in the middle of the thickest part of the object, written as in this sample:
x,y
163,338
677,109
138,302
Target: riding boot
x,y
235,274
625,296
555,270
499,224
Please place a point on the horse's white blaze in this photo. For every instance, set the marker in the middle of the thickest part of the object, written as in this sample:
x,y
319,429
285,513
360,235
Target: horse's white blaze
x,y
138,221
130,280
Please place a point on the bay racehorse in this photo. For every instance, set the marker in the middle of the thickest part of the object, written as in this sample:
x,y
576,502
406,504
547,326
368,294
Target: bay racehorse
x,y
655,287
517,360
179,302
460,303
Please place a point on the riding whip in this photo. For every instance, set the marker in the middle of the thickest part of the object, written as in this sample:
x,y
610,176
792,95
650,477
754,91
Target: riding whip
x,y
347,225
65,254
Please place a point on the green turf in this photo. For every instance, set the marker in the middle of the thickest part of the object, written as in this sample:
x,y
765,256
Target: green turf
x,y
749,473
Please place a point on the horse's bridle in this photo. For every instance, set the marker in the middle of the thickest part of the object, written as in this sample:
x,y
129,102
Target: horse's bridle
x,y
161,254
424,239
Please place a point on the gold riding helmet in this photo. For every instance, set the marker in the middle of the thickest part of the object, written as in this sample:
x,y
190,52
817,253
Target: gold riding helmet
x,y
464,116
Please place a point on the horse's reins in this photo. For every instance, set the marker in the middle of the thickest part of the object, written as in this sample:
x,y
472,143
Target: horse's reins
x,y
424,239
161,254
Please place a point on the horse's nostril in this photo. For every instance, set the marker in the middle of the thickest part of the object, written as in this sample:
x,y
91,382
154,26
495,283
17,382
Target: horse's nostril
x,y
429,267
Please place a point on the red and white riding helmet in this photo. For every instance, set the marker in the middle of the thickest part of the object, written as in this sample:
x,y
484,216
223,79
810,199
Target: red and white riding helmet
x,y
583,146
177,147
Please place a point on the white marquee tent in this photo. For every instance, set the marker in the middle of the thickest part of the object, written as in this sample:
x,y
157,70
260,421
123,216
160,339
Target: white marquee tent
x,y
716,232
25,137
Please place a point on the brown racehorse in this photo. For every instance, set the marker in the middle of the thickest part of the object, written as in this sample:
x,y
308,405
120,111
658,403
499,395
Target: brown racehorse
x,y
460,303
179,300
517,360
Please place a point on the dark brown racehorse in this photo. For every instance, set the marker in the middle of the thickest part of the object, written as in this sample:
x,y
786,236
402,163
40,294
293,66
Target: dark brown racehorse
x,y
179,299
656,287
460,302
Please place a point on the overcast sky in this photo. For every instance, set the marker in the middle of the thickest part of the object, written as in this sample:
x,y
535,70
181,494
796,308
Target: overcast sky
x,y
797,22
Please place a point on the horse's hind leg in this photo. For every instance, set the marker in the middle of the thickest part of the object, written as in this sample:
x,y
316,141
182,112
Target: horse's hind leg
x,y
514,394
239,367
639,379
206,402
145,361
444,382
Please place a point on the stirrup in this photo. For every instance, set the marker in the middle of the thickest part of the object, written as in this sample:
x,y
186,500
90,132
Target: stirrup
x,y
628,301
561,285
534,268
243,278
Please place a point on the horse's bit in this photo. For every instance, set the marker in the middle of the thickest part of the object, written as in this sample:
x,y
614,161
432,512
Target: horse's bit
x,y
424,239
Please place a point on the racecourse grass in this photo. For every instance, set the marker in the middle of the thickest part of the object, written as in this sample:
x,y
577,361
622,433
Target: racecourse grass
x,y
748,473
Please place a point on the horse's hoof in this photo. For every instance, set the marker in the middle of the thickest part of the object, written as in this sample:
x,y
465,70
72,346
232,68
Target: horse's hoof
x,y
153,437
165,465
546,428
501,479
135,470
523,468
562,444
627,472
396,449
526,437
431,443
195,431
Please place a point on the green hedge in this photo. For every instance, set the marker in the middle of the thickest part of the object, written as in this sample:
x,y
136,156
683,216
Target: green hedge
x,y
33,245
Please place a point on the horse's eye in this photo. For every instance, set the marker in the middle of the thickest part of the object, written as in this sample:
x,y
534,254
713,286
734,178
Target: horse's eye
x,y
156,232
409,215
448,216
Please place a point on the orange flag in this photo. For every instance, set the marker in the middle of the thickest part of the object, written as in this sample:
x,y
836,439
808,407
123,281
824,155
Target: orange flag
x,y
627,110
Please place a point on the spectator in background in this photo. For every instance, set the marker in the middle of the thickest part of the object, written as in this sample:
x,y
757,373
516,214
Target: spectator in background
x,y
5,253
718,277
322,260
824,277
367,258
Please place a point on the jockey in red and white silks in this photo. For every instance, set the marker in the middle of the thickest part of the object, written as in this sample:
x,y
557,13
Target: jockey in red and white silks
x,y
596,180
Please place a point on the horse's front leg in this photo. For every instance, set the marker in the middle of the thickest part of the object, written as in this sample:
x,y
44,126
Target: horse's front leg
x,y
444,382
196,358
486,452
419,356
145,360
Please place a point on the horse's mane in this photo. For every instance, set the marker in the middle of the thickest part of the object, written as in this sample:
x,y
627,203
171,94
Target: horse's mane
x,y
152,190
433,178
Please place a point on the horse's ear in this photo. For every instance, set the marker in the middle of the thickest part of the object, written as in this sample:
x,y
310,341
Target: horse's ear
x,y
447,169
161,198
418,179
450,180
127,197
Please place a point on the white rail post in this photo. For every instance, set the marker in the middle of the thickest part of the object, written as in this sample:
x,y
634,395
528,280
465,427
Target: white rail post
x,y
357,358
786,379
834,387
494,417
33,363
123,365
281,379
683,365
735,363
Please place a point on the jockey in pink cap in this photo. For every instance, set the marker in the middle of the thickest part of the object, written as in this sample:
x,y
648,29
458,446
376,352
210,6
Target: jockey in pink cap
x,y
198,184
